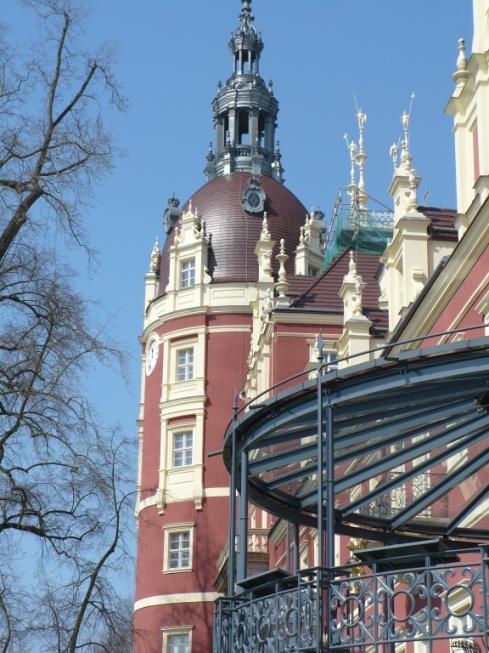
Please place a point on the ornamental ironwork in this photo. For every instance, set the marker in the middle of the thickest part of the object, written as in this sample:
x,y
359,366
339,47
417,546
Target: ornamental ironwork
x,y
433,600
285,619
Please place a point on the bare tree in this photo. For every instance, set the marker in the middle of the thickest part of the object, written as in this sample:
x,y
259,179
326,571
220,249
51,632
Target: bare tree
x,y
53,141
64,478
85,612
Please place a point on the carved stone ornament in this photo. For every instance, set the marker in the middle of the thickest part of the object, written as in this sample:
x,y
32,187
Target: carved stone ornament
x,y
171,214
254,197
155,258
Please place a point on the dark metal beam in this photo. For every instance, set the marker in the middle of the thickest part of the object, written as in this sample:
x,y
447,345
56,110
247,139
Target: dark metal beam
x,y
427,418
470,440
421,448
442,488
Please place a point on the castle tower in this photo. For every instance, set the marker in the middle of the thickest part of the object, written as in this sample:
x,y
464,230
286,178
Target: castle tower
x,y
201,293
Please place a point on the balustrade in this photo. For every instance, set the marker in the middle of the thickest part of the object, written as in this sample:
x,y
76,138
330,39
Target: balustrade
x,y
440,598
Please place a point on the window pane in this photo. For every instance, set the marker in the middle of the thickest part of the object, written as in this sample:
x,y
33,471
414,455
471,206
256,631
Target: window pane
x,y
178,644
187,274
185,364
182,449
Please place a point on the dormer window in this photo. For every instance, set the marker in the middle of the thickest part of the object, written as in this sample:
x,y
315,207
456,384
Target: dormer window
x,y
187,273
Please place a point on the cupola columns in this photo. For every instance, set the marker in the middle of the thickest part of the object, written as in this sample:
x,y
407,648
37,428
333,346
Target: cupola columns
x,y
245,110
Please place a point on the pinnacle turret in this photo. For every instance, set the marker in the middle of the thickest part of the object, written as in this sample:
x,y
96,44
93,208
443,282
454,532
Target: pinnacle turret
x,y
245,110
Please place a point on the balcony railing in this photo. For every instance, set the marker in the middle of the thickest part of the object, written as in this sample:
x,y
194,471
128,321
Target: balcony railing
x,y
278,616
397,499
440,596
242,151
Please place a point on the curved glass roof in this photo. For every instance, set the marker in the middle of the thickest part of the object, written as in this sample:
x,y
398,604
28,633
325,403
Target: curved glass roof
x,y
411,445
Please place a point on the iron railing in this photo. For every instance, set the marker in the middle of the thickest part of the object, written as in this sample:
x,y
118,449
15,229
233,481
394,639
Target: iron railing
x,y
440,597
397,499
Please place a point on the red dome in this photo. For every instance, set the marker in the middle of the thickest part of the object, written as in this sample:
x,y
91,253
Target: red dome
x,y
233,233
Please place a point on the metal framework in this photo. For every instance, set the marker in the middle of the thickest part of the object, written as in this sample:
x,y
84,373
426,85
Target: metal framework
x,y
394,450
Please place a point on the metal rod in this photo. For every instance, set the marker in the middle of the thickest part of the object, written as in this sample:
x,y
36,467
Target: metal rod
x,y
330,506
330,534
243,519
320,456
373,350
287,548
232,508
320,489
297,559
485,592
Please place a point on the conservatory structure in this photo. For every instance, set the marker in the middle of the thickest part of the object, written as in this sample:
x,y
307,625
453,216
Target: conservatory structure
x,y
392,453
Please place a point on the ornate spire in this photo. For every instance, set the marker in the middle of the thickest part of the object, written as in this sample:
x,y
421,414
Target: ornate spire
x,y
246,19
352,151
405,165
361,159
245,110
404,185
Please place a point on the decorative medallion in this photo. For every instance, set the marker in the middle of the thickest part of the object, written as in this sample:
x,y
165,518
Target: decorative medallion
x,y
254,197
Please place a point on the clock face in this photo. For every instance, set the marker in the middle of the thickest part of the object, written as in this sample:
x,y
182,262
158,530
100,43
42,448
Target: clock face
x,y
151,357
254,199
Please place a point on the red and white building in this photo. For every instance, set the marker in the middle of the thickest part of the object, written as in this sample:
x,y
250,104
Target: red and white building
x,y
235,301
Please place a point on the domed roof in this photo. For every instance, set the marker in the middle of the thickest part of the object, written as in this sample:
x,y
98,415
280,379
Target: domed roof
x,y
233,232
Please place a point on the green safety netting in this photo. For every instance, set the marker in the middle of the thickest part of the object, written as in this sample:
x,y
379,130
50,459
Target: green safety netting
x,y
362,229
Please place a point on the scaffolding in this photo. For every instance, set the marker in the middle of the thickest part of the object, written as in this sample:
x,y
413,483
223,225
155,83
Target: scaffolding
x,y
354,227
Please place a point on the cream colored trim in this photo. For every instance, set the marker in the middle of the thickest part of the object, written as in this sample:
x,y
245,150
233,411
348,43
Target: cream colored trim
x,y
172,599
304,317
160,320
146,503
211,492
176,630
229,329
311,336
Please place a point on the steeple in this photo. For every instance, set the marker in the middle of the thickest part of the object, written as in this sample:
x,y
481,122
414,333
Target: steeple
x,y
245,110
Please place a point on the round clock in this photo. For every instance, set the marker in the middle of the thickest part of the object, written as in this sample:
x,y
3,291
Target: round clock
x,y
254,197
151,356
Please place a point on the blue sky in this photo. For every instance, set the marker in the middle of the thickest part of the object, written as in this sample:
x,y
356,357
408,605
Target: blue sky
x,y
319,53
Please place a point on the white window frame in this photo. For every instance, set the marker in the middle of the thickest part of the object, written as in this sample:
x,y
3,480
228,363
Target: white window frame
x,y
186,434
172,530
170,631
331,359
187,273
185,366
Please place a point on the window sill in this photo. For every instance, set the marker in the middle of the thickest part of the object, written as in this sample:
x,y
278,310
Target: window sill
x,y
177,571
